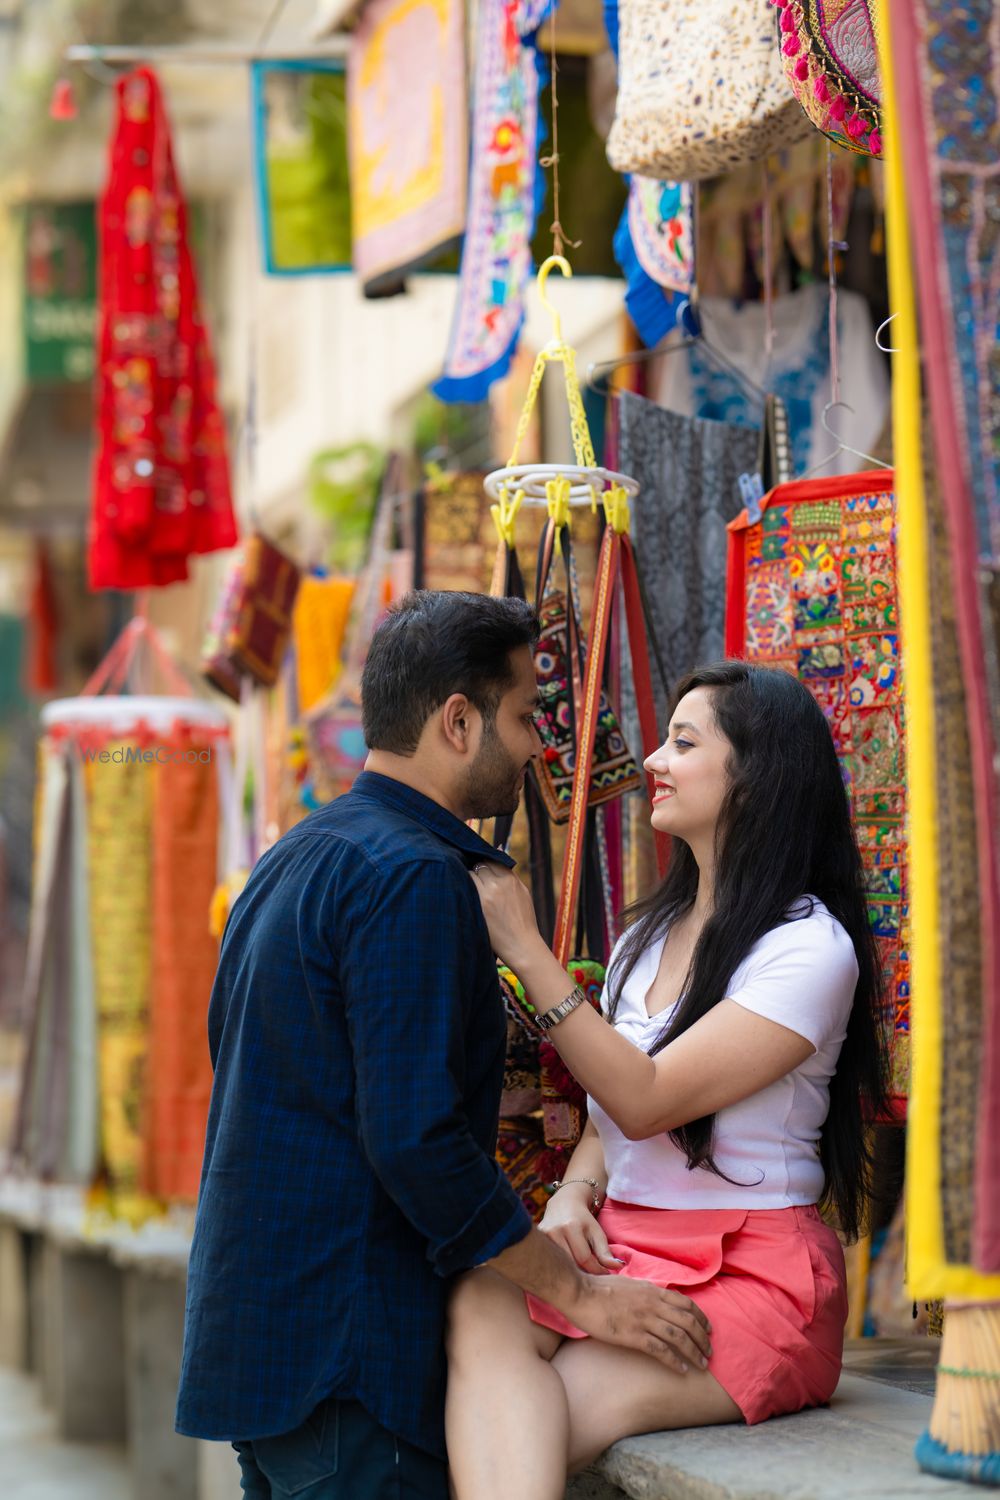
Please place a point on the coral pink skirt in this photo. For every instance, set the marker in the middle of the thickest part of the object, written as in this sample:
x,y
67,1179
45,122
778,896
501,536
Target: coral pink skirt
x,y
771,1282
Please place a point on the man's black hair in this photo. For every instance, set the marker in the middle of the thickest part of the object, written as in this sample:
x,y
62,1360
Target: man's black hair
x,y
433,644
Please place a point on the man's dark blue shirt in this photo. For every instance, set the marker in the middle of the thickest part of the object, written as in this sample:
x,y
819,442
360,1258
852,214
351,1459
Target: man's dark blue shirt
x,y
358,1038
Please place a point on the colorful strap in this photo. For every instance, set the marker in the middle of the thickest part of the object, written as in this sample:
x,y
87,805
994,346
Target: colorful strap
x,y
642,677
604,591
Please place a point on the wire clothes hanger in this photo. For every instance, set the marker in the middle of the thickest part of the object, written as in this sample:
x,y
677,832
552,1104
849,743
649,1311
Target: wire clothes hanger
x,y
690,319
841,447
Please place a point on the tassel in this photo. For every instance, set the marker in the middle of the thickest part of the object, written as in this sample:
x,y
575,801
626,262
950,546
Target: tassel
x,y
855,127
787,21
791,46
875,143
838,109
821,89
801,68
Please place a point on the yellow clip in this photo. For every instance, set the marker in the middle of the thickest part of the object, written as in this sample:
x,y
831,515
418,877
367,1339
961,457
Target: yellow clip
x,y
616,509
504,515
557,492
434,473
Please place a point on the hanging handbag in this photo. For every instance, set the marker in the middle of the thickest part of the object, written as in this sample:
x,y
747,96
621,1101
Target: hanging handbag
x,y
249,632
559,668
830,57
700,89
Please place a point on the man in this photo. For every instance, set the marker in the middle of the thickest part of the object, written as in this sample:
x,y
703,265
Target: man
x,y
358,1039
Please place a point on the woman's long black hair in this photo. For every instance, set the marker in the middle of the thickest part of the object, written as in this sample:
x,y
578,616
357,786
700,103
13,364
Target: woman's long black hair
x,y
784,831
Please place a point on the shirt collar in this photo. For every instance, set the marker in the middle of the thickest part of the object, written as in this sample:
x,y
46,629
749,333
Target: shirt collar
x,y
433,816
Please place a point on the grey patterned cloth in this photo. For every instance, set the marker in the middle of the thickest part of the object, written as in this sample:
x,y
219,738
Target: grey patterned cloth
x,y
688,472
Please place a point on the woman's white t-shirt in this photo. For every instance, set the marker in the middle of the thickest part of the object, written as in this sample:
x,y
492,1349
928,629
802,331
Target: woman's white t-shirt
x,y
802,975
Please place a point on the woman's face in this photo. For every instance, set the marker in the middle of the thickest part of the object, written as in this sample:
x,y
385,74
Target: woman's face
x,y
689,771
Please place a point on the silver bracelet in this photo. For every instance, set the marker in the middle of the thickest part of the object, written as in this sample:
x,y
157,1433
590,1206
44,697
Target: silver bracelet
x,y
591,1182
559,1012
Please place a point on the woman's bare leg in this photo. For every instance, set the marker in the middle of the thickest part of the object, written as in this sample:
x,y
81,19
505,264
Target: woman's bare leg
x,y
613,1393
506,1415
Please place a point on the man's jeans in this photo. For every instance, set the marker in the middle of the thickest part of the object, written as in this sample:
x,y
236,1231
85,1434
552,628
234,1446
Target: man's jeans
x,y
339,1453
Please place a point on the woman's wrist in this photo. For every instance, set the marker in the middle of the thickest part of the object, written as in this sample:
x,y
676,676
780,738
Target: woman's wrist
x,y
544,978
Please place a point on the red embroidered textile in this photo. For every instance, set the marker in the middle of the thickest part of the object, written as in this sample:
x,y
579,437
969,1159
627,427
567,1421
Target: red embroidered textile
x,y
161,481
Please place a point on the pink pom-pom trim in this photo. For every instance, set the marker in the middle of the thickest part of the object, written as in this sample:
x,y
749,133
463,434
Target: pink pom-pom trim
x,y
791,46
821,89
838,109
787,22
855,127
875,143
802,68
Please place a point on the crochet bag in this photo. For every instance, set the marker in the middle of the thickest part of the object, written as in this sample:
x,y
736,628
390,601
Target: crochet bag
x,y
700,89
830,57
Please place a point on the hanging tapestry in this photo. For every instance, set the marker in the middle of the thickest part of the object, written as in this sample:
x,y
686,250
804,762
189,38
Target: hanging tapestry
x,y
944,188
457,536
319,624
300,165
407,137
185,837
812,590
120,802
688,472
161,480
831,62
505,190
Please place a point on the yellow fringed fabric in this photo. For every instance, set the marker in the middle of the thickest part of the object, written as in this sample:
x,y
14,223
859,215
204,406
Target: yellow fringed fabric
x,y
119,857
929,1274
319,621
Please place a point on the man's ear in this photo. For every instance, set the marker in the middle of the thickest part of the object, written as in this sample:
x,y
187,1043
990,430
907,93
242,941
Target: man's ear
x,y
457,716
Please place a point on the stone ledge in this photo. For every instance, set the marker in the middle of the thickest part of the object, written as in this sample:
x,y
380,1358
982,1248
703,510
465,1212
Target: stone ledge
x,y
859,1447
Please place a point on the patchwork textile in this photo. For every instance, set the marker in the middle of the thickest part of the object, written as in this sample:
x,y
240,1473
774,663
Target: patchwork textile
x,y
812,590
505,188
161,478
407,135
542,1108
939,65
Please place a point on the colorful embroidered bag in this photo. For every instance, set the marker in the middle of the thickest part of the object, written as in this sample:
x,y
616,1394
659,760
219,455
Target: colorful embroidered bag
x,y
811,588
559,668
830,57
700,89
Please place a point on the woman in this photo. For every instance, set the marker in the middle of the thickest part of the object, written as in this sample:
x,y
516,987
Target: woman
x,y
728,1098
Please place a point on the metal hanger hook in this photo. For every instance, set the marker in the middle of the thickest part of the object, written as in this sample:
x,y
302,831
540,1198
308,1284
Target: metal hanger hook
x,y
885,348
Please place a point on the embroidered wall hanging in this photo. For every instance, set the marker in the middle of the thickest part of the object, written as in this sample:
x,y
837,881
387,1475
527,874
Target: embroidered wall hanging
x,y
505,192
161,479
812,589
407,136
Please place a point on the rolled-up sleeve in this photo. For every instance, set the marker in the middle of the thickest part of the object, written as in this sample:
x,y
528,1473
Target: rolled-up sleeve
x,y
408,970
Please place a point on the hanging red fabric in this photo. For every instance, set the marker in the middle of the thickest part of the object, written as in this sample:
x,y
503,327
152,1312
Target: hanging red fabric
x,y
161,480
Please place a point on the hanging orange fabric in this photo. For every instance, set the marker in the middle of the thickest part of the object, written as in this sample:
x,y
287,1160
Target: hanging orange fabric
x,y
185,955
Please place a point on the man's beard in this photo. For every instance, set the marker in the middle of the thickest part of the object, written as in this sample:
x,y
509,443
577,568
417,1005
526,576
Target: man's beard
x,y
493,789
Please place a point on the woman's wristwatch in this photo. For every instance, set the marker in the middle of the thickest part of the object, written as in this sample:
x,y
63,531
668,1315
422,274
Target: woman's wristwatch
x,y
591,1182
549,1018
